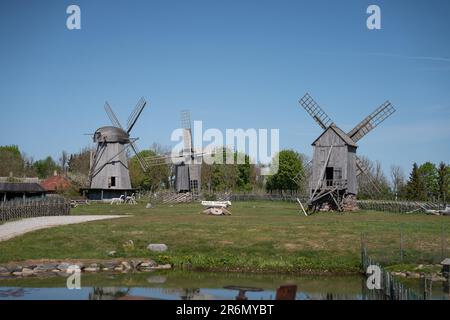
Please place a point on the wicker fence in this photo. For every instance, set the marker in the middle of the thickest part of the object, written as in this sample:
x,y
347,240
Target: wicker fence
x,y
399,206
30,208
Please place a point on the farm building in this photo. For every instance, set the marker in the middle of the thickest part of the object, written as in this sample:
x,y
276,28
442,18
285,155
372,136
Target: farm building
x,y
56,183
13,190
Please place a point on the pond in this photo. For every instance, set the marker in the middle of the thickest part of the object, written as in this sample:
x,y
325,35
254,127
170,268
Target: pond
x,y
177,285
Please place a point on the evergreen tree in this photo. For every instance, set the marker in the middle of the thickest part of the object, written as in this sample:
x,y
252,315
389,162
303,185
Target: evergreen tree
x,y
416,186
443,182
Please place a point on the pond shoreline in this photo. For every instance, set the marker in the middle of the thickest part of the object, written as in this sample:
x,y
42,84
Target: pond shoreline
x,y
66,266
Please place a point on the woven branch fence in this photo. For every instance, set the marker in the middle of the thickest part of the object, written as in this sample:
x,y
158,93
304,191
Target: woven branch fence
x,y
399,206
30,208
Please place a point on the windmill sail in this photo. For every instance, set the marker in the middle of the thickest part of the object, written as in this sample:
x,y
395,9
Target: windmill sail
x,y
371,121
135,114
187,133
112,116
315,111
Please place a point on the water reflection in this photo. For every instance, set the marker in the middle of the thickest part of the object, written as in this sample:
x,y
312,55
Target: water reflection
x,y
198,286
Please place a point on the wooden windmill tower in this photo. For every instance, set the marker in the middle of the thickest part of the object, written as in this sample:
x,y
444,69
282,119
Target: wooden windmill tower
x,y
335,165
108,175
187,167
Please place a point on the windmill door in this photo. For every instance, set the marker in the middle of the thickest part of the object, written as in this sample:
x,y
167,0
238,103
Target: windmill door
x,y
329,176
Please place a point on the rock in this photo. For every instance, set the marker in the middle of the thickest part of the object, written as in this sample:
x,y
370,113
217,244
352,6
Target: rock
x,y
128,245
162,267
135,264
414,275
15,269
93,267
112,253
157,247
17,273
27,271
45,267
147,264
148,206
4,271
56,270
126,265
63,266
118,268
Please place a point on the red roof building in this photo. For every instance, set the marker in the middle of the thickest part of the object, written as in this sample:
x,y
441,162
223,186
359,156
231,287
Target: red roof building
x,y
56,183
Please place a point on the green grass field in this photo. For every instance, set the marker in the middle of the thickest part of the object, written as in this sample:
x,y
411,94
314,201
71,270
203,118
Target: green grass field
x,y
258,237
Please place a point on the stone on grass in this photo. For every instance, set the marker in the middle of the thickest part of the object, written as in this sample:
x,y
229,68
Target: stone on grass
x,y
111,253
148,206
128,245
157,247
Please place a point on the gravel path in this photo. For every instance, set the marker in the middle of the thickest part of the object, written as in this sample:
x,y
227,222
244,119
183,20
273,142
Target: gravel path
x,y
16,228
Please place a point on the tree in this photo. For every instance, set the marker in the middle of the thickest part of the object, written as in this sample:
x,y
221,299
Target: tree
x,y
79,163
429,174
289,165
398,181
155,178
11,161
443,182
416,187
63,161
45,168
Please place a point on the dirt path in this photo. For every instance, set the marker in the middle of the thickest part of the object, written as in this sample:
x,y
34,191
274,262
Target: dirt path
x,y
16,228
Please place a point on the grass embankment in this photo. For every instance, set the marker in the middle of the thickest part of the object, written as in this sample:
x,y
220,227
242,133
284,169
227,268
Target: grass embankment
x,y
258,237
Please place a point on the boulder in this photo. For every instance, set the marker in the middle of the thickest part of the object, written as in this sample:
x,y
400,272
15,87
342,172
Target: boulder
x,y
157,247
148,206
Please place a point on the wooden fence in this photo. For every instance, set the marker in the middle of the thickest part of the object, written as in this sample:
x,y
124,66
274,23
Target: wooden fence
x,y
30,208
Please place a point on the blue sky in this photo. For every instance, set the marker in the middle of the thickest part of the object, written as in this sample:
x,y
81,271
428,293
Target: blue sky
x,y
234,64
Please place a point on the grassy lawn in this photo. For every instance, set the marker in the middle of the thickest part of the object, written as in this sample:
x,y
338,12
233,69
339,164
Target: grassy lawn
x,y
259,236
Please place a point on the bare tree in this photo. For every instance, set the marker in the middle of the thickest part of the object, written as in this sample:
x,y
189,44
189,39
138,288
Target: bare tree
x,y
397,179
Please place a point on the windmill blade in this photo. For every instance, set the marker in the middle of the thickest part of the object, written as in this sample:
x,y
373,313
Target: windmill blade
x,y
135,114
140,159
112,116
315,111
371,121
362,170
187,132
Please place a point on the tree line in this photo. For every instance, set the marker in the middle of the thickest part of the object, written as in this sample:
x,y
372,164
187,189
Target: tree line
x,y
426,182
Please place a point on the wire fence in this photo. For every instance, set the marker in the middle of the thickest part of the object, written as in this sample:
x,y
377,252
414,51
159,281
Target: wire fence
x,y
35,207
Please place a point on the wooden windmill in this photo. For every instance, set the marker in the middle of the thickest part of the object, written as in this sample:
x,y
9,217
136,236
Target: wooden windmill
x,y
109,176
335,165
187,167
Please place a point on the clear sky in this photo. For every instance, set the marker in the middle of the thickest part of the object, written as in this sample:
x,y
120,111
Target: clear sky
x,y
234,64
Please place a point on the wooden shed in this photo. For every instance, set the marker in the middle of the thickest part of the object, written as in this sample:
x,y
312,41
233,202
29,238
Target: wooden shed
x,y
13,190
